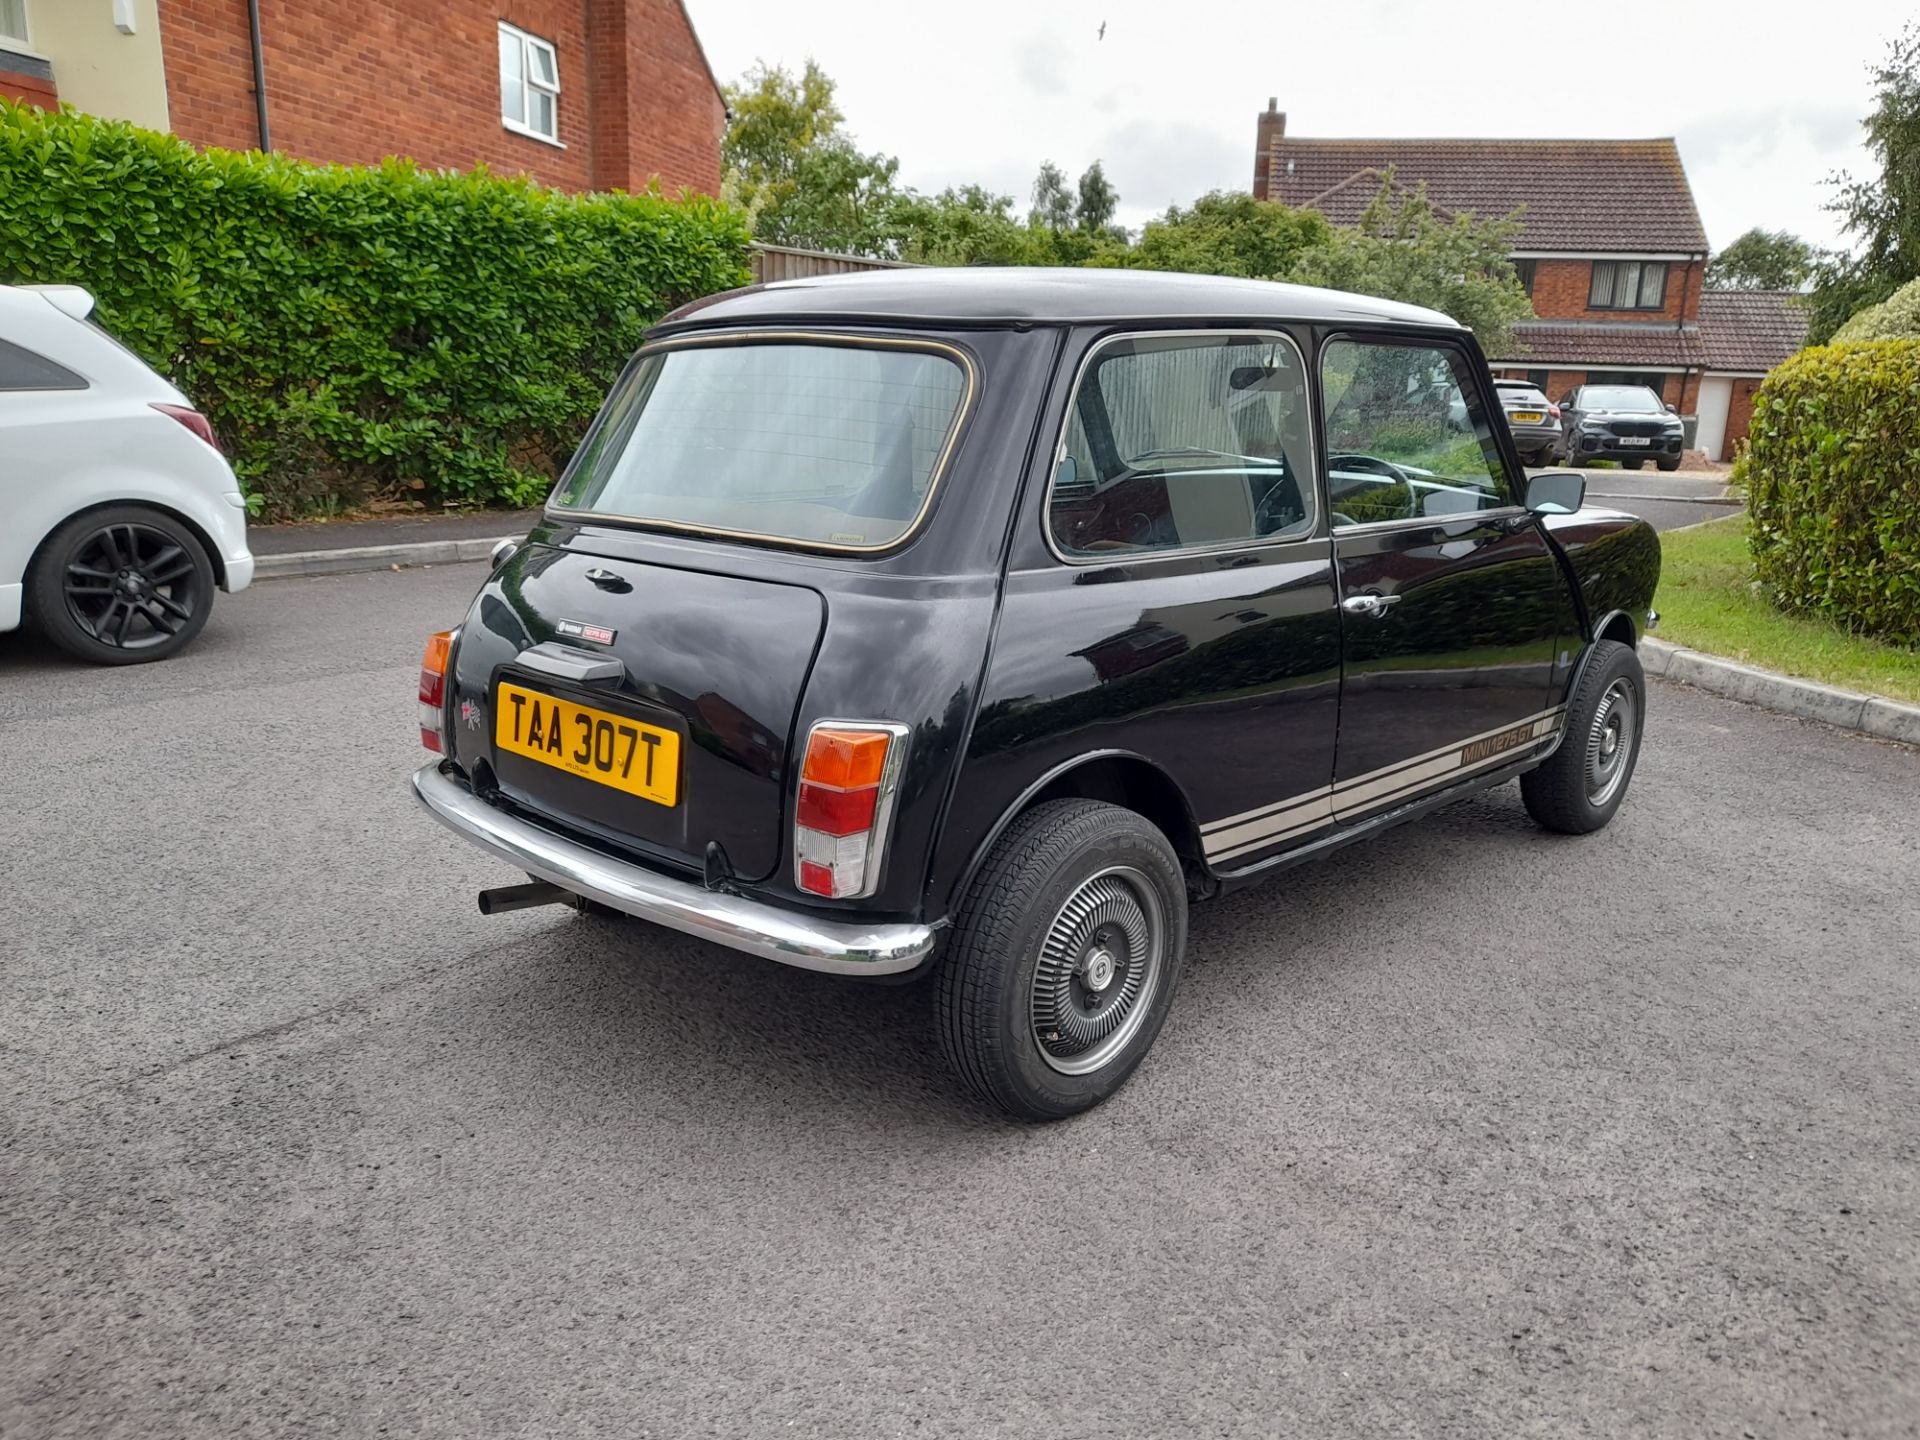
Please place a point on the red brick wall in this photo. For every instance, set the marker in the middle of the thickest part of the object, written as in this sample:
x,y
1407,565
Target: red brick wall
x,y
356,82
27,89
1560,289
1740,415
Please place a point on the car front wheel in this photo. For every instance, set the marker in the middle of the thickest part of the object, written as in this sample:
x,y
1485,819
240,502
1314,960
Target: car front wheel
x,y
1064,959
121,586
1580,786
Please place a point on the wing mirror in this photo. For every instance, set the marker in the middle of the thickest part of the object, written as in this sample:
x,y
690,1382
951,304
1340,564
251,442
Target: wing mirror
x,y
1556,492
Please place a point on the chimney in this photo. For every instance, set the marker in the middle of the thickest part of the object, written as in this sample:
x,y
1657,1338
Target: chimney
x,y
1272,127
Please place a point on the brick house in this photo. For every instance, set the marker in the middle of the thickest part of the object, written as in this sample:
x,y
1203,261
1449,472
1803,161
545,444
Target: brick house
x,y
1611,251
579,94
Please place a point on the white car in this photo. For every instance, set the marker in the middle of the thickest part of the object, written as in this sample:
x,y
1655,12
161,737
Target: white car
x,y
119,516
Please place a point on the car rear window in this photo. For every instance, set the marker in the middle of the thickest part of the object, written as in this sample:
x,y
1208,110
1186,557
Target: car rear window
x,y
834,442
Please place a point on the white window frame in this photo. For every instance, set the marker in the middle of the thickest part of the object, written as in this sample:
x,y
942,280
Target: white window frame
x,y
529,43
24,40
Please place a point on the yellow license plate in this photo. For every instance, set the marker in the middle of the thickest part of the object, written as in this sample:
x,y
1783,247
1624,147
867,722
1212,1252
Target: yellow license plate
x,y
1527,417
607,749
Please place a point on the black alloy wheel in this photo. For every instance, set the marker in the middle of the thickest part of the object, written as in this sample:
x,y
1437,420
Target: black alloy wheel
x,y
121,586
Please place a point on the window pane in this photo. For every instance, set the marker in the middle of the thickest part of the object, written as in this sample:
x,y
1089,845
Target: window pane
x,y
544,70
1653,286
1626,290
1600,292
1182,441
1404,439
541,116
1523,271
833,444
13,20
513,88
23,370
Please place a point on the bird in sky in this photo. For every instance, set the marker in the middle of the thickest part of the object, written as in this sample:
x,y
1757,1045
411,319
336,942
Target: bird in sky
x,y
1103,31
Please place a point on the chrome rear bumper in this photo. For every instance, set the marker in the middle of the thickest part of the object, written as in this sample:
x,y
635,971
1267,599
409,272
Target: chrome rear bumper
x,y
788,936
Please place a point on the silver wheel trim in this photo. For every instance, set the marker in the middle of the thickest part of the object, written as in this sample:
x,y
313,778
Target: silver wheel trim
x,y
1114,925
1610,742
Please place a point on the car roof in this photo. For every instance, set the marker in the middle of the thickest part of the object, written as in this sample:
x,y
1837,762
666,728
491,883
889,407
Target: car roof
x,y
1014,295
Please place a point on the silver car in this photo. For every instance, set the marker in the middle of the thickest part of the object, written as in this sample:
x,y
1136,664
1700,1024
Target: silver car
x,y
1534,420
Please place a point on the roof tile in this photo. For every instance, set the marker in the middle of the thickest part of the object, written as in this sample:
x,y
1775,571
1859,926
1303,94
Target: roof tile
x,y
1625,195
1751,329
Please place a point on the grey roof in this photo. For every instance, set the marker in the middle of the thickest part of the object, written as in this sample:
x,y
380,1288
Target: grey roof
x,y
1580,195
1751,329
983,295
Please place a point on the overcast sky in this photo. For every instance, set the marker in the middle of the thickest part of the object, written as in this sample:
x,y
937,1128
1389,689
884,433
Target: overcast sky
x,y
985,90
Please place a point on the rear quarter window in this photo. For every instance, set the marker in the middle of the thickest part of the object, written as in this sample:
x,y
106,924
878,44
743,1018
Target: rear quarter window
x,y
22,369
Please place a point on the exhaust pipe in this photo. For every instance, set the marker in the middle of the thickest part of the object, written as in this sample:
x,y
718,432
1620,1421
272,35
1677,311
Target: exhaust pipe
x,y
503,898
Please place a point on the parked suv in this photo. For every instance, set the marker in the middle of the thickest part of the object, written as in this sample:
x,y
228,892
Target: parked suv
x,y
119,516
973,623
1533,419
1628,423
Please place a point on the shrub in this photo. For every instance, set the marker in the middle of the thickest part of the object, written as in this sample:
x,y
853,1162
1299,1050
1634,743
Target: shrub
x,y
354,332
1833,486
1895,318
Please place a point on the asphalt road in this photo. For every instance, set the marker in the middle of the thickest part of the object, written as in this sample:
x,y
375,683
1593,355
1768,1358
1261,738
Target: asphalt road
x,y
1469,1131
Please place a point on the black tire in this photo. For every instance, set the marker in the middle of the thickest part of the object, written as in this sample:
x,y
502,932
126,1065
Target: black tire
x,y
1668,465
1631,464
992,991
1582,784
122,585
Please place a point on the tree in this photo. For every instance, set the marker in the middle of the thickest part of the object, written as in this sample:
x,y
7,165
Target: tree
x,y
1402,250
1762,260
969,225
799,176
1052,200
1230,233
1098,201
1884,215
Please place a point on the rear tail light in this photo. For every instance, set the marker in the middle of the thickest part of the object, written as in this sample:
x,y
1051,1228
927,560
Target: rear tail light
x,y
433,692
1553,410
192,419
844,806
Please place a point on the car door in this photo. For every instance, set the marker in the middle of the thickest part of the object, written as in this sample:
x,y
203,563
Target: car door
x,y
1451,603
1176,603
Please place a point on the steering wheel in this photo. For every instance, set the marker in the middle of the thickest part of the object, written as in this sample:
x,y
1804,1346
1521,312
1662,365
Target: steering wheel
x,y
1367,465
1268,516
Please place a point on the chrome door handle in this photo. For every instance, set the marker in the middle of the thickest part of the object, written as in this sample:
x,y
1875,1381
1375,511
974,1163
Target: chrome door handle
x,y
1373,605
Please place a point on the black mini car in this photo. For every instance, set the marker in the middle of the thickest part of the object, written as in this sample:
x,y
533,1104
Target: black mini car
x,y
974,622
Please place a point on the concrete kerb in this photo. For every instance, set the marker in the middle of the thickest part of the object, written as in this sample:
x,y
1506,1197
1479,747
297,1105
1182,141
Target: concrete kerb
x,y
362,558
1804,699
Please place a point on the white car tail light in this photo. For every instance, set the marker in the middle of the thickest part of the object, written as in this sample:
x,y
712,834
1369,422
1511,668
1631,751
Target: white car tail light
x,y
191,418
845,805
433,692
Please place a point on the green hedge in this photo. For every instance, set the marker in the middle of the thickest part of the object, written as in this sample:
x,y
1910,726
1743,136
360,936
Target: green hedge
x,y
1895,318
1833,486
355,333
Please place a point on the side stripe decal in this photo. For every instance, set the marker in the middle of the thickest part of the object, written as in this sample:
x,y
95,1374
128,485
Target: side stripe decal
x,y
1256,829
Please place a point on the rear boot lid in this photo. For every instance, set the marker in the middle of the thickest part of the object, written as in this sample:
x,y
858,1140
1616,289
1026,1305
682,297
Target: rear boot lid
x,y
707,674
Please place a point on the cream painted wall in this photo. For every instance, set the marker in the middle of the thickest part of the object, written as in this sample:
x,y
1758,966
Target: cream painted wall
x,y
95,67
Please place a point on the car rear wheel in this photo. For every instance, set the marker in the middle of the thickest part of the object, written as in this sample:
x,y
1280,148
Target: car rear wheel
x,y
1582,784
121,586
1064,959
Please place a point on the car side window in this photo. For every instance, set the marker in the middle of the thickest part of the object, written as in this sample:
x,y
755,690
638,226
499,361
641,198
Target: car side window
x,y
1407,435
21,369
1179,442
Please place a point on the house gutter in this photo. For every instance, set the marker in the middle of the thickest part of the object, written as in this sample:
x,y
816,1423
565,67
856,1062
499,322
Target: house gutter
x,y
259,75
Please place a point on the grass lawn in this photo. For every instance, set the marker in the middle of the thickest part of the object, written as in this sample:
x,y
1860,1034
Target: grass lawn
x,y
1705,603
